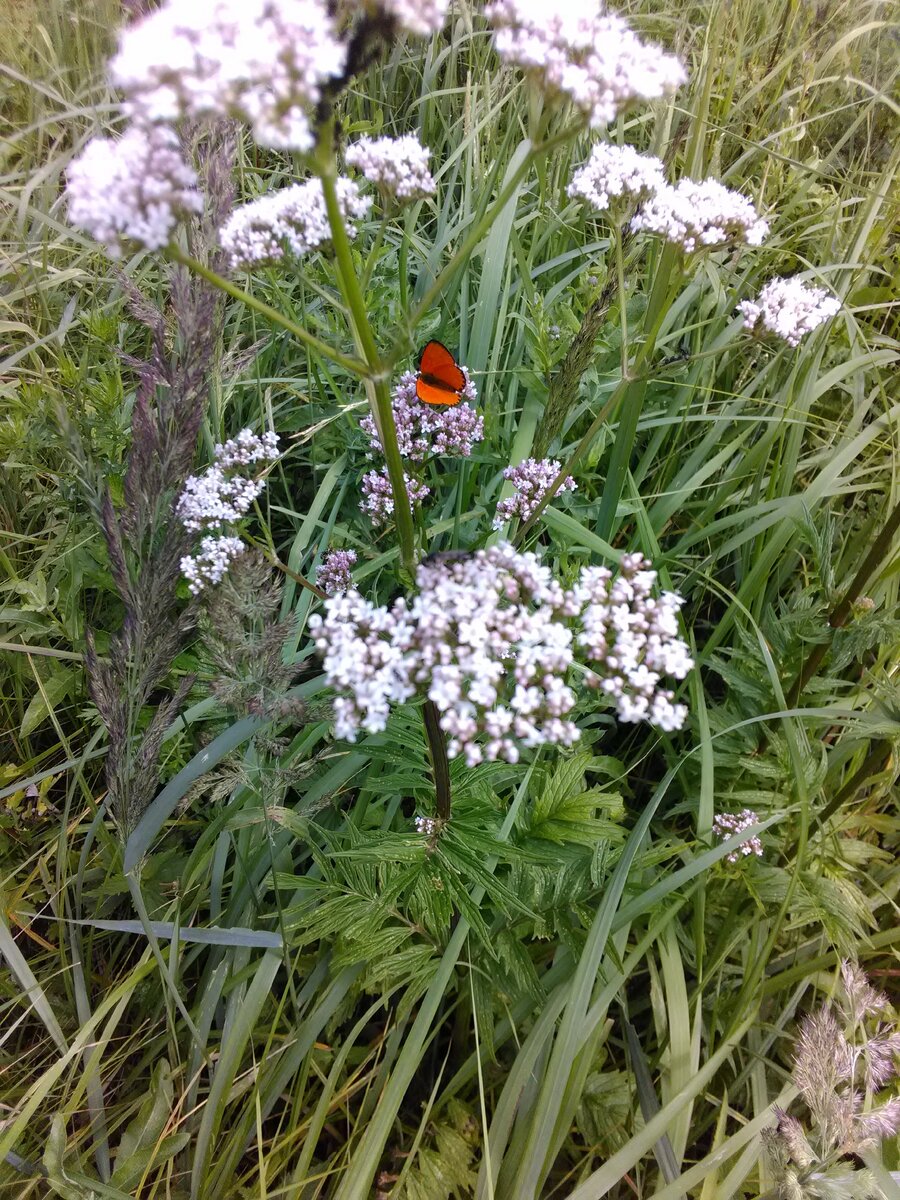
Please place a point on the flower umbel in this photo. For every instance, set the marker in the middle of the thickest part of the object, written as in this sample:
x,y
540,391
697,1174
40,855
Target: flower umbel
x,y
531,479
693,215
378,498
264,62
614,173
333,573
397,166
725,825
293,220
216,554
788,309
424,430
584,53
132,189
222,495
490,639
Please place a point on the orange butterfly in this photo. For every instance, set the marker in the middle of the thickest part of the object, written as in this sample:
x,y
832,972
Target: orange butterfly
x,y
440,379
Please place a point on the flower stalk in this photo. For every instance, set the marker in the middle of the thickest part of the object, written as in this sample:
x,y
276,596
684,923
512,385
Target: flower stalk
x,y
375,375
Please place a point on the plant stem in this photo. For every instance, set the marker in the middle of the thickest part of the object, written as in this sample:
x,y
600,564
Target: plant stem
x,y
634,399
440,765
353,365
838,617
376,372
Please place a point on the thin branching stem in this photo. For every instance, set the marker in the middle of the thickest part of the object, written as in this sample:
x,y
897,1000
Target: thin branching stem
x,y
353,365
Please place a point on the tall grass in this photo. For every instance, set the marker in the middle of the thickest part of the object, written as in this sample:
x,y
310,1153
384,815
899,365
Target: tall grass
x,y
256,994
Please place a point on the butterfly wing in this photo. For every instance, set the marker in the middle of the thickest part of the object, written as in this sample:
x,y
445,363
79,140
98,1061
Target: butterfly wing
x,y
440,379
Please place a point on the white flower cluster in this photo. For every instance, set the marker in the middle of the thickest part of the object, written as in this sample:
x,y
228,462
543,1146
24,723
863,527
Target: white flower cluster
x,y
583,52
218,497
292,220
217,553
693,215
531,479
247,448
490,638
419,17
364,651
424,430
378,498
132,189
261,61
221,496
397,166
789,309
614,172
428,826
725,825
333,573
630,640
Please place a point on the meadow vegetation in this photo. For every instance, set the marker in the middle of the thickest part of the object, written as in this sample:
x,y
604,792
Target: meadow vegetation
x,y
245,956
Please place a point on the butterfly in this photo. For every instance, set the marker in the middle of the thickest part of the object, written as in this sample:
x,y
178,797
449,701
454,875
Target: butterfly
x,y
440,379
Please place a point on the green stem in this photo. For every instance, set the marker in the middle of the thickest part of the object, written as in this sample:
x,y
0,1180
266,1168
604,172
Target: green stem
x,y
633,383
376,373
623,307
634,399
353,365
440,765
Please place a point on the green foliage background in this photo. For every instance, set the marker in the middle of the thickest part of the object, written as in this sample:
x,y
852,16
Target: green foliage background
x,y
571,992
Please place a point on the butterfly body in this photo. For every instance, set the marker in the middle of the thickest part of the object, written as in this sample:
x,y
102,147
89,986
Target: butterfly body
x,y
440,378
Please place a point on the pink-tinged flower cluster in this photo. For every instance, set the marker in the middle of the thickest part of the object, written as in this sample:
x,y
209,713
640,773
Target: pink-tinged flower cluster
x,y
222,495
132,190
397,166
788,309
333,573
579,50
264,62
424,430
726,825
629,639
293,220
217,553
378,499
364,650
613,173
531,479
491,638
693,215
419,17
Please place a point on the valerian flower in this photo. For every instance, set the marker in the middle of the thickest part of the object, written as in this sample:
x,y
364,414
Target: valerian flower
x,y
397,166
378,497
613,173
132,190
425,430
490,638
531,479
209,565
333,573
789,309
222,495
580,51
292,220
726,825
264,62
696,215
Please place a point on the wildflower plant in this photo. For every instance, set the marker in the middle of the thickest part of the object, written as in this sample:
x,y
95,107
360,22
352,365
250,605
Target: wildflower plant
x,y
503,665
